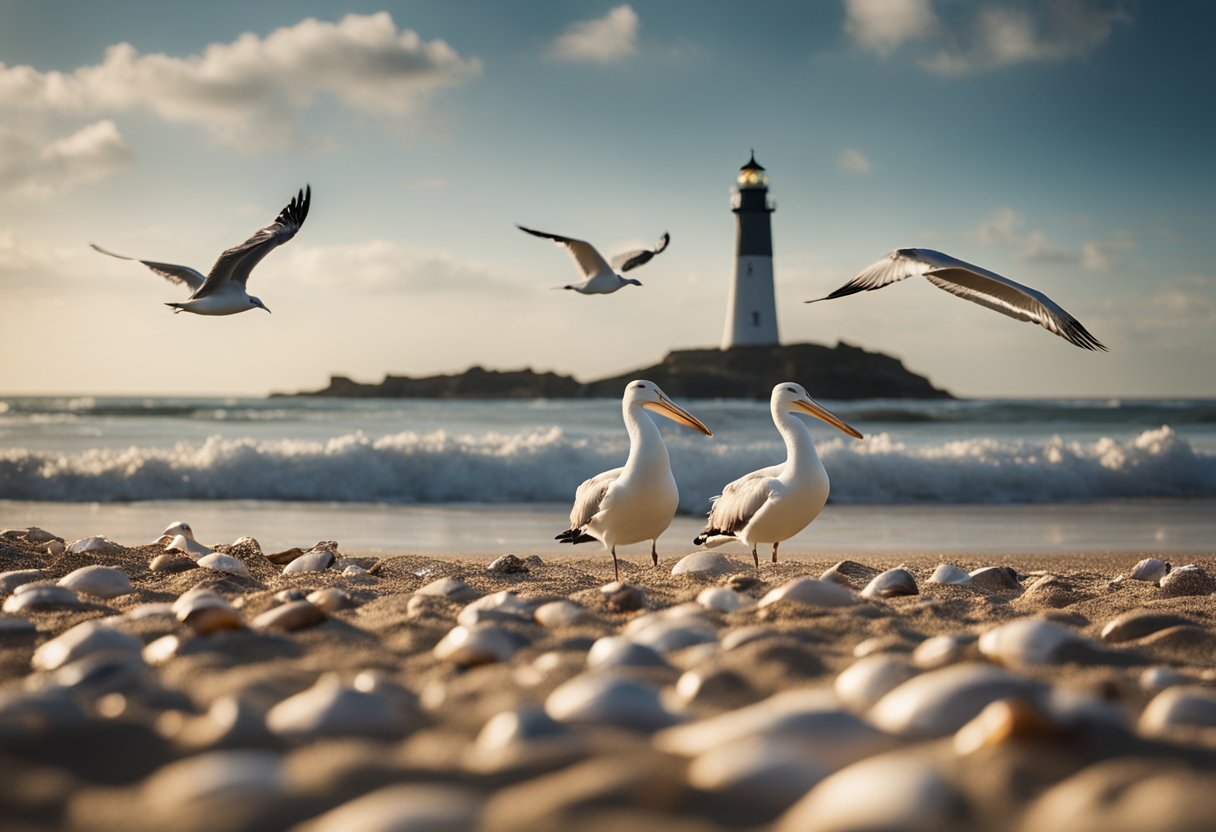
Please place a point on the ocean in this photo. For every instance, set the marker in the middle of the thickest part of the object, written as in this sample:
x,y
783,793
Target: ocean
x,y
485,477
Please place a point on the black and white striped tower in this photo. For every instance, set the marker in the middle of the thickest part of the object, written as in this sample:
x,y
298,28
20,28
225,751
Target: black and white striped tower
x,y
751,313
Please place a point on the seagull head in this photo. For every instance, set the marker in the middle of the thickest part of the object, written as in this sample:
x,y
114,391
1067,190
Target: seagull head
x,y
257,302
647,395
792,397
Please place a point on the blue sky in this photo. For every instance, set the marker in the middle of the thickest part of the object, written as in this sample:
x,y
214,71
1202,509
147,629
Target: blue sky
x,y
1065,144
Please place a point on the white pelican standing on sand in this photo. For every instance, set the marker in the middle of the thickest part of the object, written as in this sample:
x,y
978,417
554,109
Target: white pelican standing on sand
x,y
637,502
599,277
975,284
775,503
222,291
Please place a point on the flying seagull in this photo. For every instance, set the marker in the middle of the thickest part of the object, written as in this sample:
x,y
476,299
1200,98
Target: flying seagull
x,y
222,291
974,283
775,503
636,502
598,276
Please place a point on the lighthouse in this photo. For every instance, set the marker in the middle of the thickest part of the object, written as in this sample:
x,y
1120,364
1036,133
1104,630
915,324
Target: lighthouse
x,y
751,312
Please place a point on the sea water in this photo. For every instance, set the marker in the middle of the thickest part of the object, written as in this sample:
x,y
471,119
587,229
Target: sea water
x,y
485,476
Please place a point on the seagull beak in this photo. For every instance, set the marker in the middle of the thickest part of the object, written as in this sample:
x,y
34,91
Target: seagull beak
x,y
666,407
817,410
264,307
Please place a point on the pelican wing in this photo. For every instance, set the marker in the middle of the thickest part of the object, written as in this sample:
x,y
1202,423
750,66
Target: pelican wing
x,y
740,501
589,261
590,497
181,275
640,257
236,263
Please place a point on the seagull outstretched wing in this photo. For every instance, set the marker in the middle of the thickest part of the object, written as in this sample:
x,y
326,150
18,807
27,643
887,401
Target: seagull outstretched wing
x,y
236,263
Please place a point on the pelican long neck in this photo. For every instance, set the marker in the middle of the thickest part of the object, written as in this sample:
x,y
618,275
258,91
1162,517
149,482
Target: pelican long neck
x,y
646,446
799,447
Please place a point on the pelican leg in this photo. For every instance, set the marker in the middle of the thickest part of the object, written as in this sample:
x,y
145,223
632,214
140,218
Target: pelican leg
x,y
775,545
654,555
615,564
756,558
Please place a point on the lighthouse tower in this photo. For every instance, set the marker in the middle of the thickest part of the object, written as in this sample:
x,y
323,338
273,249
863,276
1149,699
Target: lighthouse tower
x,y
751,312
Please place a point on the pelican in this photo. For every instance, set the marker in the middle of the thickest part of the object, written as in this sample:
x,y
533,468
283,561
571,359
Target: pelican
x,y
974,283
599,277
181,539
775,503
222,291
634,503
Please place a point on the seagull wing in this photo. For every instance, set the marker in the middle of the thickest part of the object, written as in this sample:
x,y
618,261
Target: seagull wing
x,y
976,284
588,259
740,501
639,257
236,263
590,497
182,275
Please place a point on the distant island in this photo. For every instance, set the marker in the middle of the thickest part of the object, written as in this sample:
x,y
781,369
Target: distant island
x,y
840,372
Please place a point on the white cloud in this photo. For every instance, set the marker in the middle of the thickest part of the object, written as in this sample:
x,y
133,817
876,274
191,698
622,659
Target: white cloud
x,y
246,93
1036,248
1002,228
1007,228
383,265
853,161
1099,255
603,40
985,36
89,154
884,25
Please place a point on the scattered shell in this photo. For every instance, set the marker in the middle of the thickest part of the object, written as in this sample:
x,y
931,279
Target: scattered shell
x,y
295,615
318,560
171,563
714,686
995,578
90,544
404,808
40,596
331,708
867,680
620,651
882,644
1138,624
507,565
766,774
162,649
558,614
501,606
87,639
704,564
600,699
26,715
1155,679
99,581
451,588
1031,641
211,778
741,581
848,573
331,599
1048,591
891,584
287,595
223,563
468,646
1187,580
939,651
948,573
720,598
9,581
1186,706
205,612
1150,569
940,702
623,597
55,548
1001,721
666,634
810,592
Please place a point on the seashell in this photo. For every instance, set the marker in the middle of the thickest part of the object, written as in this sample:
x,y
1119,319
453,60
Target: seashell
x,y
468,646
1002,721
810,592
746,635
55,548
213,779
404,808
35,535
205,612
666,634
162,649
1187,580
86,639
714,686
704,565
98,581
620,651
1150,569
223,563
869,679
40,596
507,565
849,572
451,588
940,702
887,792
995,579
9,581
143,612
295,615
171,563
331,599
1032,641
501,606
331,709
318,560
741,581
891,584
1182,706
558,614
357,573
623,597
882,644
765,774
1156,679
948,573
1138,624
96,543
32,715
600,699
720,598
940,651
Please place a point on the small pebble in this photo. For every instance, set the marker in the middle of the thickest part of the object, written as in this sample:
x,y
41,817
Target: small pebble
x,y
995,579
623,597
599,699
1179,707
469,646
939,651
98,581
317,560
451,588
868,680
948,573
940,702
331,599
720,598
90,544
1150,569
295,615
40,596
223,563
501,606
1031,641
507,565
620,651
86,639
704,565
558,614
1138,624
331,708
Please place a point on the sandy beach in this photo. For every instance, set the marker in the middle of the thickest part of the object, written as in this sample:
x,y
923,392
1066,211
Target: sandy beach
x,y
1043,692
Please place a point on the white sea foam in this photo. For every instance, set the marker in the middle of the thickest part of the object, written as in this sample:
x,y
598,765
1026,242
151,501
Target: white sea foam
x,y
545,465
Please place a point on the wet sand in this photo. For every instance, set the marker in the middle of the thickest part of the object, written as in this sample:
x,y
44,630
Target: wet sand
x,y
532,693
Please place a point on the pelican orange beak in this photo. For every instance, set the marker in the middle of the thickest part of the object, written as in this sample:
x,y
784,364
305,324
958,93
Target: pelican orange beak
x,y
666,407
817,410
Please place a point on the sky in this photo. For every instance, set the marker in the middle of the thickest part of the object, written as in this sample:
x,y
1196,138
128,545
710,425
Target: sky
x,y
1065,144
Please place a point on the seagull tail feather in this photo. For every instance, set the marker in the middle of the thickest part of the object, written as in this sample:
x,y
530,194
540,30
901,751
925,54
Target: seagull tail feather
x,y
177,307
574,536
